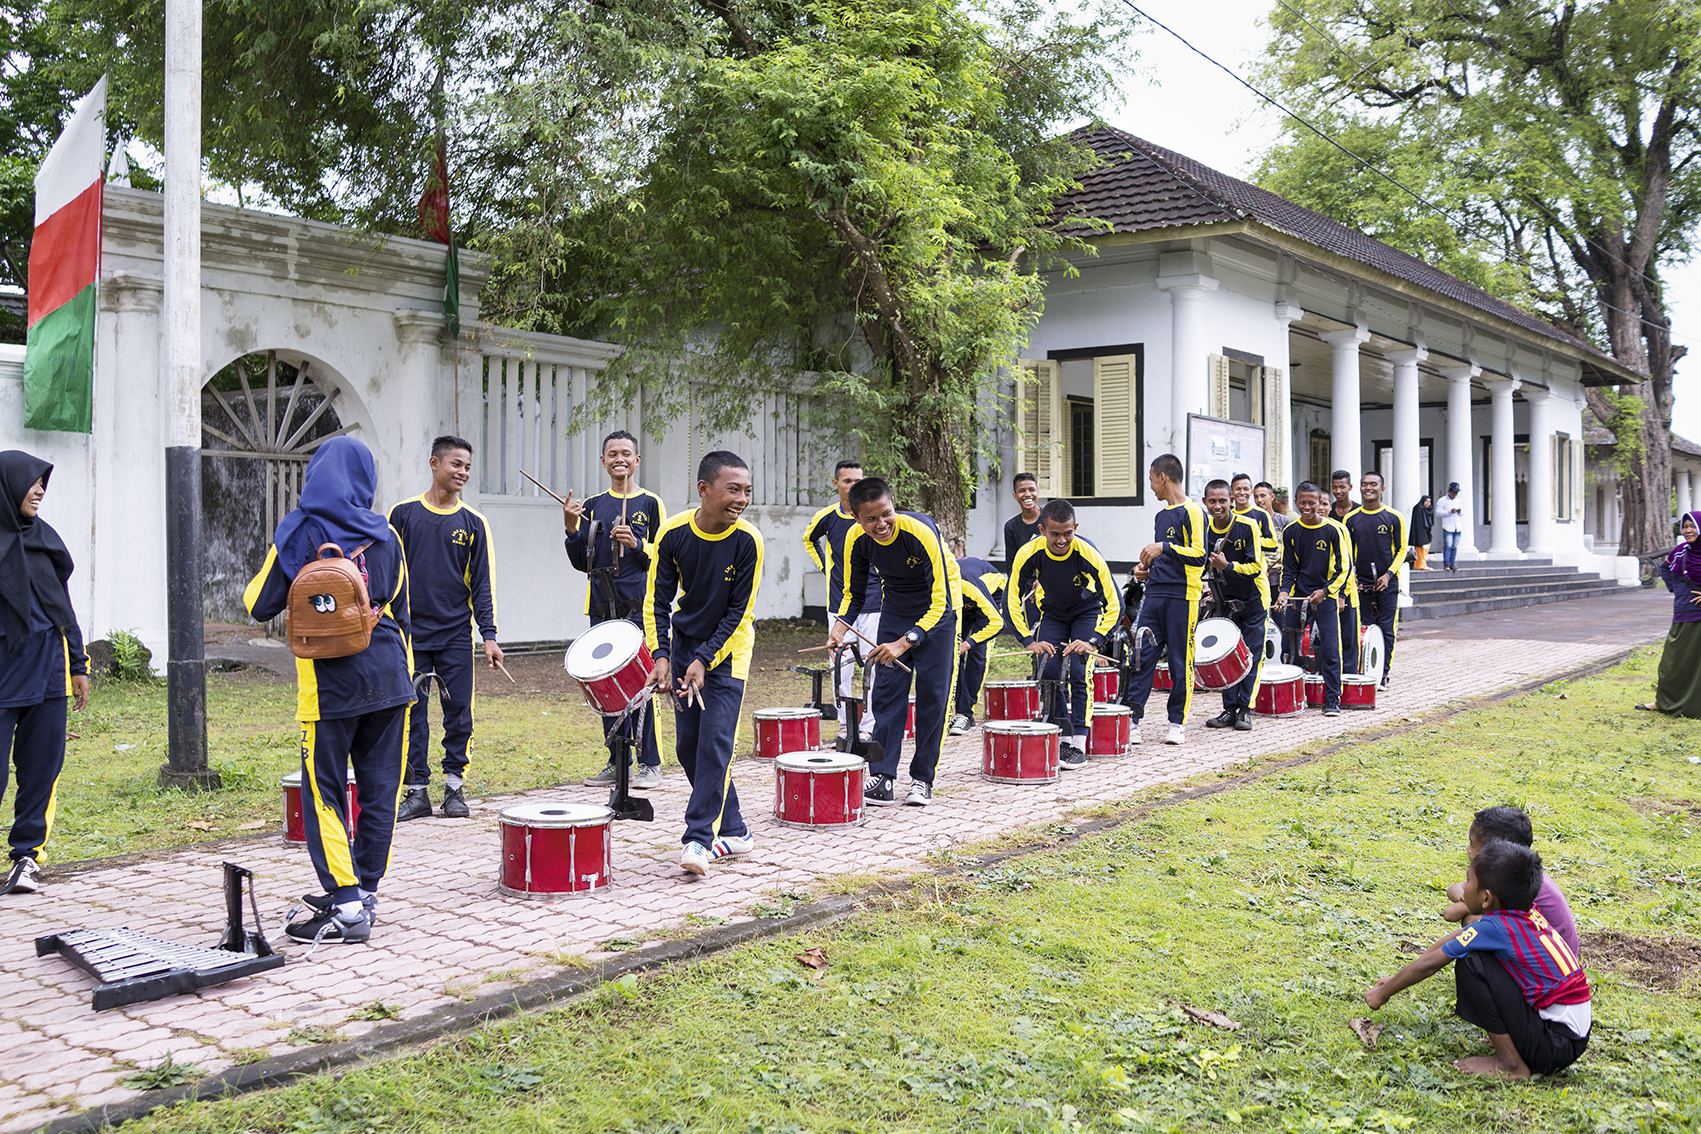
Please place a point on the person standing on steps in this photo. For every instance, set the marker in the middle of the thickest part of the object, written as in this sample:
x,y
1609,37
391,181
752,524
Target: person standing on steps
x,y
42,663
451,559
1423,530
1450,510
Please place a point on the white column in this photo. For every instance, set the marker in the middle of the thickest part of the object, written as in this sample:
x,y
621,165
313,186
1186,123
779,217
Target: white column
x,y
1685,503
1403,494
1188,353
183,225
1542,518
1461,440
1346,450
1281,417
1503,475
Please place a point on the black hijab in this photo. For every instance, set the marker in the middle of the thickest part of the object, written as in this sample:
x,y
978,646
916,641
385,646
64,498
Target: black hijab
x,y
32,556
1423,520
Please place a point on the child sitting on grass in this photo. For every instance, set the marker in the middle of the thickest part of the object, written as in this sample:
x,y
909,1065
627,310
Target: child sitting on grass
x,y
1517,979
1511,824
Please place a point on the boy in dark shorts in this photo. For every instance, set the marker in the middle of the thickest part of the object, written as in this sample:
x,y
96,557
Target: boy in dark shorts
x,y
1511,824
1517,979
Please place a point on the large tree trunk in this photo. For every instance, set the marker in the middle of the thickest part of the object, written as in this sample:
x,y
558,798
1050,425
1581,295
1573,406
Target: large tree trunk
x,y
932,451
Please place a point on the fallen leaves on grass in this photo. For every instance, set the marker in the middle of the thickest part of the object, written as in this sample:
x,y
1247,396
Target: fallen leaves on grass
x,y
199,825
1411,947
1365,1031
814,959
255,825
1215,1019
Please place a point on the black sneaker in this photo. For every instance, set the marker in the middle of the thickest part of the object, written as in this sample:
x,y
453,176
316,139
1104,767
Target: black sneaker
x,y
878,792
454,804
416,804
921,794
1332,708
1071,756
329,926
322,902
1243,720
1224,719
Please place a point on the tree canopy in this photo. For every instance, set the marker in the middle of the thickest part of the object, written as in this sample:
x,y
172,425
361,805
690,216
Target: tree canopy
x,y
1557,139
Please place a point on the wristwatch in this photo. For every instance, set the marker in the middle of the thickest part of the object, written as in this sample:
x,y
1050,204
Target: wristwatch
x,y
913,637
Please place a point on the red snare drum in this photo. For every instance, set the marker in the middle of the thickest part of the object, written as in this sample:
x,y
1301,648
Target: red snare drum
x,y
1314,690
1281,691
294,829
1307,651
1111,730
611,662
786,730
818,789
1358,691
1160,677
1107,683
555,850
1220,656
909,722
1012,700
1019,752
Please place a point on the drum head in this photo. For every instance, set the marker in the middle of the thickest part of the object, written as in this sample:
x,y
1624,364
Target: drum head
x,y
1278,673
1011,685
1213,640
785,713
1272,642
556,814
603,649
1370,653
1022,728
818,761
1105,709
292,779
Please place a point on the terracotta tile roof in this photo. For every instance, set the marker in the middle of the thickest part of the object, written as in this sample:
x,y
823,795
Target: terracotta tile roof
x,y
1141,187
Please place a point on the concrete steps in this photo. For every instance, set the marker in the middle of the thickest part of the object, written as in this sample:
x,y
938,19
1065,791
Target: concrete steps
x,y
1489,584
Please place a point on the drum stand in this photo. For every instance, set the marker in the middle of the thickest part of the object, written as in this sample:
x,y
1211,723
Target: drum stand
x,y
850,711
622,750
1049,691
816,673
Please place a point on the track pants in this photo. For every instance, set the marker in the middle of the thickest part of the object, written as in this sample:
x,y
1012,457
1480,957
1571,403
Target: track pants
x,y
372,744
32,738
1349,626
705,739
1253,625
1165,628
1382,608
454,670
1072,712
1490,998
971,679
934,668
1325,625
867,627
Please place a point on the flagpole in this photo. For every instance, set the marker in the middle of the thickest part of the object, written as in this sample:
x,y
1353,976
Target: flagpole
x,y
186,666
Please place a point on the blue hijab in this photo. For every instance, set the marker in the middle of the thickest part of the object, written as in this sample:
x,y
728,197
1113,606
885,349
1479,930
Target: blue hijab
x,y
335,506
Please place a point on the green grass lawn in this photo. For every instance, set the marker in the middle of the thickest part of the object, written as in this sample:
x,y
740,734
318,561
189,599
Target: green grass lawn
x,y
1049,993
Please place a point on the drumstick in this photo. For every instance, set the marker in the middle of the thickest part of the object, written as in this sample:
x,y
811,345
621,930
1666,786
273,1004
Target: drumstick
x,y
849,629
620,549
505,672
543,486
813,649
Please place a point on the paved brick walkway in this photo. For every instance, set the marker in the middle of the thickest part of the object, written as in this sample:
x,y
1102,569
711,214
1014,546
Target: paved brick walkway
x,y
446,934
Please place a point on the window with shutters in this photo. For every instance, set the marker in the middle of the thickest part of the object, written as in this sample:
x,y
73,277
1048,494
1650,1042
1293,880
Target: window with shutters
x,y
1565,491
1080,424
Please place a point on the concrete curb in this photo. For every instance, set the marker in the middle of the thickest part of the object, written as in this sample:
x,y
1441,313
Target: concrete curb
x,y
541,994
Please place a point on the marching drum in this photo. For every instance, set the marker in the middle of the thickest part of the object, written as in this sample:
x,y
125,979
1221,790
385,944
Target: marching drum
x,y
555,850
1272,642
786,730
1307,651
1372,652
818,789
1019,752
294,829
1281,691
1012,700
1107,683
1220,656
1160,677
611,662
1358,691
1111,731
1315,692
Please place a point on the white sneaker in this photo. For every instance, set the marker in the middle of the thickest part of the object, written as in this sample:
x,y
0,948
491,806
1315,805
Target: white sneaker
x,y
960,724
695,859
21,879
1176,734
1134,736
647,777
732,844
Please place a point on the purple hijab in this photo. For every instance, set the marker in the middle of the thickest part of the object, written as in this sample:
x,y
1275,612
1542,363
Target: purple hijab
x,y
1684,561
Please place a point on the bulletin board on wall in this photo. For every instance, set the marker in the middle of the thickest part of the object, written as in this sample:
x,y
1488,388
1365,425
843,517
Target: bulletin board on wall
x,y
1217,449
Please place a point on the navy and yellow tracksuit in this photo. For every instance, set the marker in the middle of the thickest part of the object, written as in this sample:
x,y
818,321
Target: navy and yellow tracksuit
x,y
353,713
1379,548
982,620
1242,544
451,562
35,684
1170,610
645,515
1317,557
921,589
825,540
715,578
1077,600
1017,533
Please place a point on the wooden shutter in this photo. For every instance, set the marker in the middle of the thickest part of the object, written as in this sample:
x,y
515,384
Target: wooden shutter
x,y
1555,455
1219,405
1255,395
1116,422
1275,425
1577,478
1039,410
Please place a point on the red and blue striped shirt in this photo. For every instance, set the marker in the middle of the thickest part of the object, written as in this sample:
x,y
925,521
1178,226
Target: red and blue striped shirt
x,y
1537,957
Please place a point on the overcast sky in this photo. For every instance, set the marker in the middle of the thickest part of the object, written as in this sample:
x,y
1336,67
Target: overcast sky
x,y
1193,108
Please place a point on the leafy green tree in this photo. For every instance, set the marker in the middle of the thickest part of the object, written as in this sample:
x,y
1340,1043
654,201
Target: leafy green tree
x,y
856,190
1562,141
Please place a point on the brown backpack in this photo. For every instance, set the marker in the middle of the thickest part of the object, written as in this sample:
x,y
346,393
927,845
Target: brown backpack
x,y
330,612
